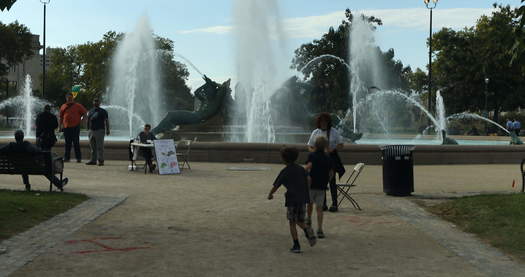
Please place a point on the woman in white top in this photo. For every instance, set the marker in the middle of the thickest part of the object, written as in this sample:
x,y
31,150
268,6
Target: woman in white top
x,y
335,143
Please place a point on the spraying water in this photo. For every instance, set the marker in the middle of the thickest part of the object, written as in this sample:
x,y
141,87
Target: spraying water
x,y
476,116
125,111
365,63
27,111
406,98
440,113
135,80
25,105
324,57
189,62
259,52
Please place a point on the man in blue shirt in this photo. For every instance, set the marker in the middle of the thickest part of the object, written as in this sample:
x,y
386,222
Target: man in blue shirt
x,y
509,125
516,126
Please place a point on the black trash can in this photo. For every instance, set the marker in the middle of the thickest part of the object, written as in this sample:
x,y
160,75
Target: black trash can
x,y
398,169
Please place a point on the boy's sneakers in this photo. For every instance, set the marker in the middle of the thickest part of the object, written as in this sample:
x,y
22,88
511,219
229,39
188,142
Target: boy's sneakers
x,y
309,233
295,249
320,234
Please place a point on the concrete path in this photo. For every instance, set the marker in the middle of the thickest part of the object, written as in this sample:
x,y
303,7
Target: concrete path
x,y
215,222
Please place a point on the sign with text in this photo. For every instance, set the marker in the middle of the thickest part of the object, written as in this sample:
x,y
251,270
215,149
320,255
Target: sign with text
x,y
166,156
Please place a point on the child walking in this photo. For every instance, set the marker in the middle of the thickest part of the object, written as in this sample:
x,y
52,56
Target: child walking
x,y
320,169
293,177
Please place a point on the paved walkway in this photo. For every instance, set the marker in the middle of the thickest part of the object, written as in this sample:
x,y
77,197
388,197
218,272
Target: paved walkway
x,y
215,222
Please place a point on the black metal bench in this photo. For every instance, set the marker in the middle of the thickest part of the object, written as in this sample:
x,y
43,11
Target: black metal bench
x,y
40,163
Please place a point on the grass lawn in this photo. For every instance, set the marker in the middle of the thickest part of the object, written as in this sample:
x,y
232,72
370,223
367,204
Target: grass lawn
x,y
20,210
497,219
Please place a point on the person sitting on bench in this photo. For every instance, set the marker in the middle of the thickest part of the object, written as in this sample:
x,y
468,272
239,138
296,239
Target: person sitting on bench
x,y
21,146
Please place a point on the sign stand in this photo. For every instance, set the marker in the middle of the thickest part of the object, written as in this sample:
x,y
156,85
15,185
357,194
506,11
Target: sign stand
x,y
166,156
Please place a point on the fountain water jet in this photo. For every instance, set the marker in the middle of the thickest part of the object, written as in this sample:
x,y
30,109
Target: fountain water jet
x,y
135,80
476,116
26,106
259,48
27,111
365,66
324,57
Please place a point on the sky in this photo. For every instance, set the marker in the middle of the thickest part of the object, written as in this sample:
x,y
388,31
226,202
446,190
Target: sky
x,y
202,29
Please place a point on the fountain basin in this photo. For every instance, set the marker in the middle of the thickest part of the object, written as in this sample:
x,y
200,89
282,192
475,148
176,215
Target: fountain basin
x,y
351,154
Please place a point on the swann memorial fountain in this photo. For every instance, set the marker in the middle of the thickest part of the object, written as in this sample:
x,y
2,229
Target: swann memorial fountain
x,y
243,126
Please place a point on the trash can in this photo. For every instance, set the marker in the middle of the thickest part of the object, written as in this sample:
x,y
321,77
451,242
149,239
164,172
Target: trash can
x,y
398,169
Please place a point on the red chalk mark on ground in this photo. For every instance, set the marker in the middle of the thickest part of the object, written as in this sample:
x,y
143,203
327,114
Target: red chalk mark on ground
x,y
104,247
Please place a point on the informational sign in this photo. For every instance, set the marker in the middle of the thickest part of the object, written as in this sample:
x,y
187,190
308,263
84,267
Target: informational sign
x,y
166,156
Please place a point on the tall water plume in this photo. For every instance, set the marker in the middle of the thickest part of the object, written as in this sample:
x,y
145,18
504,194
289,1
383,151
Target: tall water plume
x,y
135,79
440,111
28,105
366,69
259,47
25,105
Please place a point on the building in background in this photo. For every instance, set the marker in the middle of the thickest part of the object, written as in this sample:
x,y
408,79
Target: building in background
x,y
32,66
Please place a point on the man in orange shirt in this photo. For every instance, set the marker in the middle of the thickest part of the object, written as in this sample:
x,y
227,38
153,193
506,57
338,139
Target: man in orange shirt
x,y
71,114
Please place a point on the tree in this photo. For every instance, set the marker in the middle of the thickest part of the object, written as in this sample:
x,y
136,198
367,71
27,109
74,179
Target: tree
x,y
329,78
175,75
518,49
16,45
89,65
465,58
6,4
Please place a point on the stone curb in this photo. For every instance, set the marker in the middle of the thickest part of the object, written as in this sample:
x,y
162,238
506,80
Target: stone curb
x,y
26,246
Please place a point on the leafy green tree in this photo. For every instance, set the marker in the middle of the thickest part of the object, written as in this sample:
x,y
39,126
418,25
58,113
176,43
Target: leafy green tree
x,y
6,4
329,78
465,58
89,66
16,45
518,49
175,75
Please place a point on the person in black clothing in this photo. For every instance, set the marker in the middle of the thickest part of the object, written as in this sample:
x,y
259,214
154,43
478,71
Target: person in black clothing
x,y
98,125
147,136
320,168
46,123
293,177
21,146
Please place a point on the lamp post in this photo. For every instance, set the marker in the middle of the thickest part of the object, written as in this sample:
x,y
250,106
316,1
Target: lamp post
x,y
486,112
487,80
45,2
431,5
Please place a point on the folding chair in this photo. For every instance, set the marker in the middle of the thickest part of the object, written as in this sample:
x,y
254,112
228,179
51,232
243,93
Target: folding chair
x,y
344,189
184,156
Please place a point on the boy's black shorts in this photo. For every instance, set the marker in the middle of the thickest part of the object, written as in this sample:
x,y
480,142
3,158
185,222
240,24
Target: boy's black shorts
x,y
296,213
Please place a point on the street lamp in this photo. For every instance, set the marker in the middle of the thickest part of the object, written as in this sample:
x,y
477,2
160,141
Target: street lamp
x,y
487,80
45,2
430,5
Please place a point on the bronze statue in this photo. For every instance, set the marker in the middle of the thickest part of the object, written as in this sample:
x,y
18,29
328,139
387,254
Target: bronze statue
x,y
211,96
447,140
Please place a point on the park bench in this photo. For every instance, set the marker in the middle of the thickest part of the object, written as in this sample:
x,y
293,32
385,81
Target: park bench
x,y
40,163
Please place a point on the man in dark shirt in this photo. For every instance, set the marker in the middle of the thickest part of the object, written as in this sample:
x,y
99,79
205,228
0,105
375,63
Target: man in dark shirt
x,y
46,123
293,177
98,125
21,146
